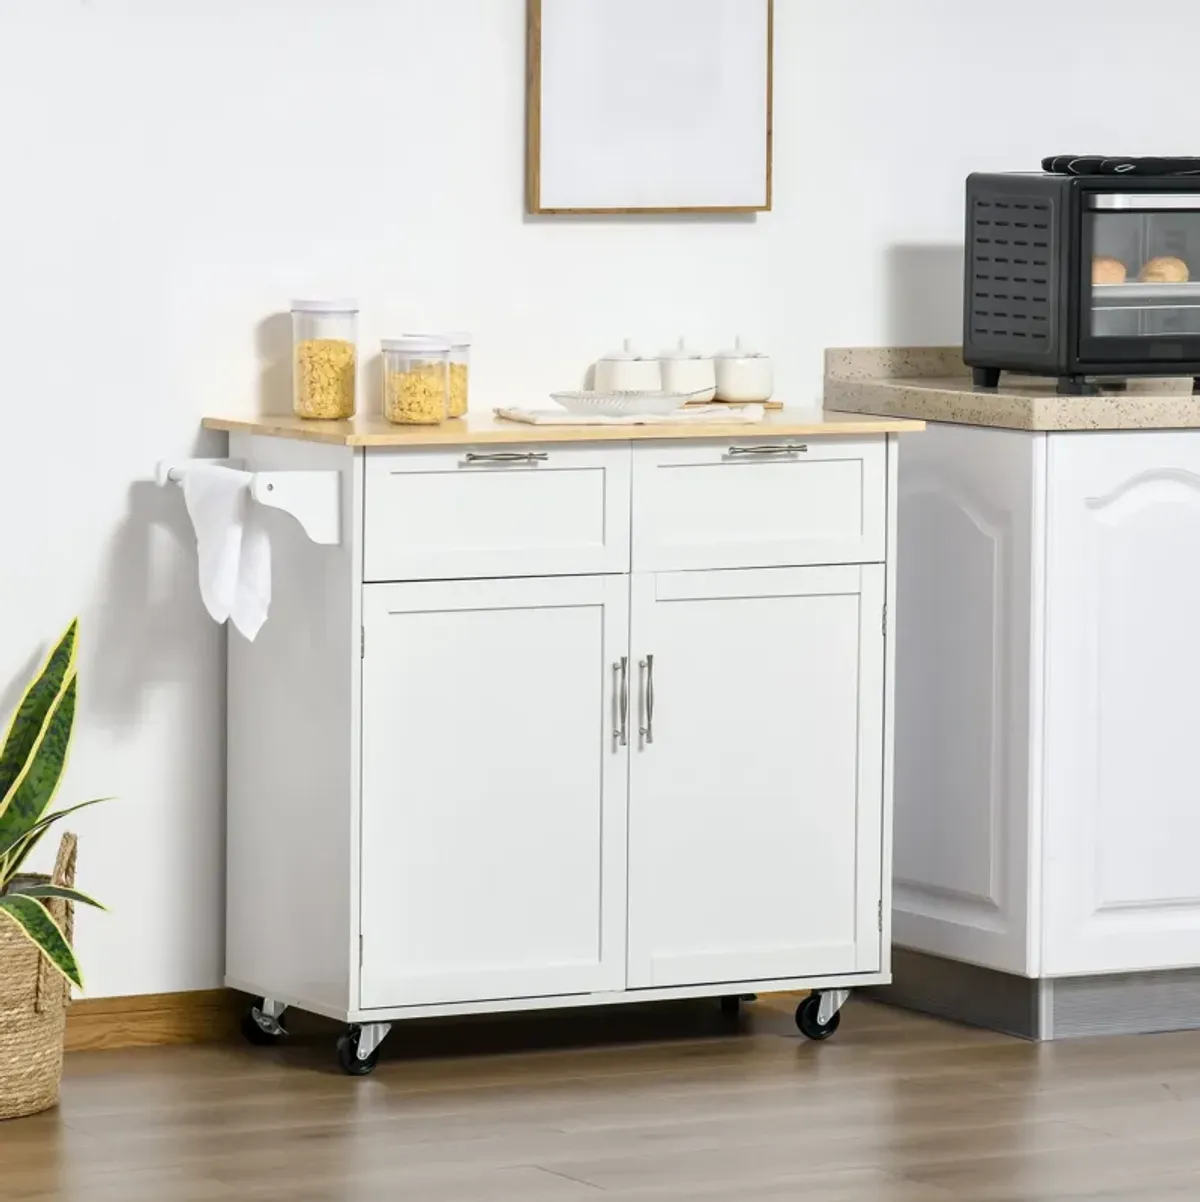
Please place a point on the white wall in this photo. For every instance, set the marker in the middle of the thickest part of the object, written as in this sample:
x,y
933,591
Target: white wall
x,y
174,170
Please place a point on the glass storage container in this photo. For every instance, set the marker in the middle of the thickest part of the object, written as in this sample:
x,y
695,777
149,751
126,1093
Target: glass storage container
x,y
324,358
416,380
460,365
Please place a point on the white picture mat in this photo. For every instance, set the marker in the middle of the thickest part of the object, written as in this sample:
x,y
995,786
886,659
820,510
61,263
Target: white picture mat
x,y
654,104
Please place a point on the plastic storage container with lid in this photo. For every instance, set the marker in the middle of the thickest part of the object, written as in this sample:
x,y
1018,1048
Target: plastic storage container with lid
x,y
744,375
460,364
324,358
416,380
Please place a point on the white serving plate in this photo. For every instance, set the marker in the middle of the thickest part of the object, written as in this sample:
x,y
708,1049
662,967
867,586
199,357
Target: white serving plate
x,y
623,404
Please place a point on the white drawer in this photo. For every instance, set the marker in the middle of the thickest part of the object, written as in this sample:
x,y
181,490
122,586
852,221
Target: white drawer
x,y
758,503
484,511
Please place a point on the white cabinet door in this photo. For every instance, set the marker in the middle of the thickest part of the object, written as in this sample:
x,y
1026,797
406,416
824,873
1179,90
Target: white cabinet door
x,y
493,790
756,787
967,687
1122,795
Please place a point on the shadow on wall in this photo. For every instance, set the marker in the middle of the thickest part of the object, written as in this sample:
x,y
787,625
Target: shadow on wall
x,y
149,602
146,600
924,294
11,694
274,338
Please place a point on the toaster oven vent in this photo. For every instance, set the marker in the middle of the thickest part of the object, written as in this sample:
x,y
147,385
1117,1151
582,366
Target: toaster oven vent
x,y
1011,249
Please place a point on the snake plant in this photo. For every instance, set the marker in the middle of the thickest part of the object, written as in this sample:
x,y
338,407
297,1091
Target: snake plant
x,y
32,759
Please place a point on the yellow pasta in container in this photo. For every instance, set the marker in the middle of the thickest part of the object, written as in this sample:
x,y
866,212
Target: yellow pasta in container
x,y
460,364
324,358
416,380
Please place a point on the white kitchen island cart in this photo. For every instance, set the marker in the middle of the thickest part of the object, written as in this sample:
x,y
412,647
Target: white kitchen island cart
x,y
560,716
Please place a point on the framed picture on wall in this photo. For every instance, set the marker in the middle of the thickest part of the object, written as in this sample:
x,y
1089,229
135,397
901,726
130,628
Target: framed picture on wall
x,y
649,106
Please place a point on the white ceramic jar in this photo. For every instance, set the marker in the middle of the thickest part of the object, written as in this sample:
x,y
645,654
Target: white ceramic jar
x,y
744,375
688,371
627,370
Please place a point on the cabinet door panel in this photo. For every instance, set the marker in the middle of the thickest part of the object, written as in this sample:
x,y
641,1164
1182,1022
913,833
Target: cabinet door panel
x,y
758,503
487,511
494,793
1122,804
756,793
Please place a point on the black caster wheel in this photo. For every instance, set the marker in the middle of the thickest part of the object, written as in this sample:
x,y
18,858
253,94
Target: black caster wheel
x,y
254,1032
808,1022
731,1006
348,1058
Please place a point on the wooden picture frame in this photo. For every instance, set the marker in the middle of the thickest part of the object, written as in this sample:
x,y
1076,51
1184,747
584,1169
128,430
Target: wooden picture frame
x,y
553,181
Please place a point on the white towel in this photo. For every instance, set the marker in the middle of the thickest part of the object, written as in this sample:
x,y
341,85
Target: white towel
x,y
231,545
700,416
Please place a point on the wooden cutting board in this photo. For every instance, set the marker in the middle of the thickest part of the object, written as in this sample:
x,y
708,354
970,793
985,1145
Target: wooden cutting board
x,y
735,404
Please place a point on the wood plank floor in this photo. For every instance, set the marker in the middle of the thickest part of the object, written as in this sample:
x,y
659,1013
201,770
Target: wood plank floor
x,y
668,1102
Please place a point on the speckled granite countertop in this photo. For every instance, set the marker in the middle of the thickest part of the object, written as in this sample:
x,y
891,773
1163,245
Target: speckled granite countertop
x,y
932,384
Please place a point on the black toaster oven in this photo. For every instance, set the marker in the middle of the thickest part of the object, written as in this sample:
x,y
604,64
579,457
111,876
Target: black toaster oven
x,y
1081,277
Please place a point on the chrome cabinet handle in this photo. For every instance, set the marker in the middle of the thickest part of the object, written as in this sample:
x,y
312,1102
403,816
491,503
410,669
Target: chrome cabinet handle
x,y
621,694
647,671
506,457
771,448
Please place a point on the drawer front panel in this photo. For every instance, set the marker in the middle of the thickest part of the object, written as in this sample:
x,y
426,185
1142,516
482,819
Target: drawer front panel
x,y
749,504
440,515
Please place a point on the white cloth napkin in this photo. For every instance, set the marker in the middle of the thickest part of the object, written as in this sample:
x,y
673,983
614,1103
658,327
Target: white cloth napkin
x,y
698,416
231,545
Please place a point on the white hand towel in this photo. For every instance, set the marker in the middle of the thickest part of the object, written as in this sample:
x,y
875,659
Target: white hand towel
x,y
231,545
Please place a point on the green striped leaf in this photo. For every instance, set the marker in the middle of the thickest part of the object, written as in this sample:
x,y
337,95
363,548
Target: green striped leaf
x,y
11,862
40,825
34,789
30,714
34,921
62,891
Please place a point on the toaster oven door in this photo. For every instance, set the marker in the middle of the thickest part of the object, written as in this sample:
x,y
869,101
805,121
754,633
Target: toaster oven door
x,y
1140,296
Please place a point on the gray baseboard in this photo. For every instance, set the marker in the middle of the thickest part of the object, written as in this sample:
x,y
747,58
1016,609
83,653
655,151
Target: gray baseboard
x,y
965,993
1063,1008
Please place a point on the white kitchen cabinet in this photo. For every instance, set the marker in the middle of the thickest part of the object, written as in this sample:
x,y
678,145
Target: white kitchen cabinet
x,y
447,791
755,822
1122,814
498,873
1047,802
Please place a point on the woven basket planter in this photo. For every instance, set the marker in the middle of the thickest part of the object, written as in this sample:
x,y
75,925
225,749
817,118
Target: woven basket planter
x,y
33,1008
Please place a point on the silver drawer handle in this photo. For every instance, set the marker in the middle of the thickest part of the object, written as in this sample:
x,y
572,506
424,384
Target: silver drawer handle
x,y
621,693
506,457
771,448
647,671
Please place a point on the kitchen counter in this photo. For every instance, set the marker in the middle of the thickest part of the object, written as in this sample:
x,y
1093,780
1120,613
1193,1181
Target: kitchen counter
x,y
1047,654
475,428
932,384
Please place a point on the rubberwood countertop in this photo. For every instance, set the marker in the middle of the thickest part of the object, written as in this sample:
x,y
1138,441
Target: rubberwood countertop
x,y
481,427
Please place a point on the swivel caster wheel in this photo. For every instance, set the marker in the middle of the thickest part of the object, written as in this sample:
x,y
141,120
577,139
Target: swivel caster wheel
x,y
358,1048
809,1019
261,1025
